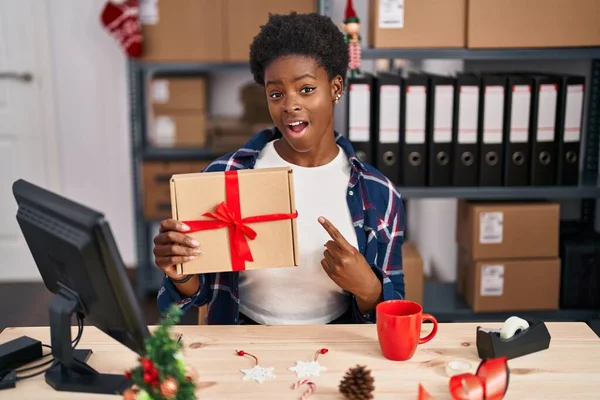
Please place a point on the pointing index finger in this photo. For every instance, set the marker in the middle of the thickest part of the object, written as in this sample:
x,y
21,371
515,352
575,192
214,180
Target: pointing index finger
x,y
334,233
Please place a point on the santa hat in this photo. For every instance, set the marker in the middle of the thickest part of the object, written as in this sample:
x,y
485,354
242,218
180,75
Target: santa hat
x,y
350,14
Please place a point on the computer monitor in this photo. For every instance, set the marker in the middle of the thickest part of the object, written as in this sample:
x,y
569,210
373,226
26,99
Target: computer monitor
x,y
80,263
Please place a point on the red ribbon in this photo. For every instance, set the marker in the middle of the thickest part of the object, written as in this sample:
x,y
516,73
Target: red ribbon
x,y
228,214
490,382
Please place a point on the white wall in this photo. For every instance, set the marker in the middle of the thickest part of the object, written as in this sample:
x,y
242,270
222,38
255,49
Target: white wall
x,y
92,115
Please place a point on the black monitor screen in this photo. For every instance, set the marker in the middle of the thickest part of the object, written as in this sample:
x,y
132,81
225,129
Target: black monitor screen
x,y
78,260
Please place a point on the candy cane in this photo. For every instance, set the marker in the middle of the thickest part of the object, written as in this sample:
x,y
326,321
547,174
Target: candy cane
x,y
311,387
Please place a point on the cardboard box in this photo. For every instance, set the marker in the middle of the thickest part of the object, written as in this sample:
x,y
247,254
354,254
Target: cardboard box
x,y
533,23
512,284
183,30
255,105
243,19
493,230
261,192
419,24
230,133
412,264
179,129
178,94
156,177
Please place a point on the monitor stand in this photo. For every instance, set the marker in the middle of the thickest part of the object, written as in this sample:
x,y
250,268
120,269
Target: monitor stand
x,y
70,372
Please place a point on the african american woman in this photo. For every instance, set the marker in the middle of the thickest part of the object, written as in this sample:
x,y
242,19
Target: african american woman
x,y
350,230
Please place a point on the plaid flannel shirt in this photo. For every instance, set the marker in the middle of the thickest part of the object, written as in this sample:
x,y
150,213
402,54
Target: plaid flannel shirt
x,y
379,221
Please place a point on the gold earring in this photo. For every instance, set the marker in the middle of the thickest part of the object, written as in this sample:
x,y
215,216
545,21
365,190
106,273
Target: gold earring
x,y
337,98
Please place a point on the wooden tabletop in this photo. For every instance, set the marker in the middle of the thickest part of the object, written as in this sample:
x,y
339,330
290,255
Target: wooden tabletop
x,y
569,369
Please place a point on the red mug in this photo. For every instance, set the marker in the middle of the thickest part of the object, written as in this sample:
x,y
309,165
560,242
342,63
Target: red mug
x,y
399,328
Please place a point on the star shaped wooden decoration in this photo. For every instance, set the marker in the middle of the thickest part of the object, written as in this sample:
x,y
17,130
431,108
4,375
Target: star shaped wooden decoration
x,y
304,369
258,374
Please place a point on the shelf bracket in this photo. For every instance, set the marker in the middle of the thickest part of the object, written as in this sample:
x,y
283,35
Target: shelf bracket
x,y
592,146
592,139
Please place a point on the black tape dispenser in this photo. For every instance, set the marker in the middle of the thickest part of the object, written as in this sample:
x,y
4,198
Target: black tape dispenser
x,y
516,338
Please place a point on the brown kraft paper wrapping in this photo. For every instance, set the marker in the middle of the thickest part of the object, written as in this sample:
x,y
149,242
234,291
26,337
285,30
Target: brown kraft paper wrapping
x,y
261,192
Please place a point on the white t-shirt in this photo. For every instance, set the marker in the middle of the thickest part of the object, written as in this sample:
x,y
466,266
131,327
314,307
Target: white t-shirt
x,y
303,294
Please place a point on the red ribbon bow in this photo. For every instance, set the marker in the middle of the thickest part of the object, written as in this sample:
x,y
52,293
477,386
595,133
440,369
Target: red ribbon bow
x,y
490,382
228,214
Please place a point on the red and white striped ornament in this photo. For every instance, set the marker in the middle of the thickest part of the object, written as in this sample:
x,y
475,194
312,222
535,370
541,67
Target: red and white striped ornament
x,y
355,55
311,387
120,19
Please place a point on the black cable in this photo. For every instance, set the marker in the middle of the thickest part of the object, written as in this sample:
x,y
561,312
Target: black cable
x,y
35,366
74,344
20,378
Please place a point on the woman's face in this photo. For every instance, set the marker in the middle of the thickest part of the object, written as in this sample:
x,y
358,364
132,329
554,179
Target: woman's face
x,y
301,100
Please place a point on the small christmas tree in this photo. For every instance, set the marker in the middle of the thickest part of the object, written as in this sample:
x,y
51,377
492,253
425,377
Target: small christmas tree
x,y
161,374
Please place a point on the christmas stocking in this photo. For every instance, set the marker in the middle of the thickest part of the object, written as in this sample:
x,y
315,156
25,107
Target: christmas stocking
x,y
120,19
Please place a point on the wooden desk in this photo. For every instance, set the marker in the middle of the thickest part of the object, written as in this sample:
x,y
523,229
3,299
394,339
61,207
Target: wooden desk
x,y
570,369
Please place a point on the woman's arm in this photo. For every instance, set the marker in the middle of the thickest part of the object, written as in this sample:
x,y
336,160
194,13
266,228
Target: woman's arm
x,y
169,293
388,266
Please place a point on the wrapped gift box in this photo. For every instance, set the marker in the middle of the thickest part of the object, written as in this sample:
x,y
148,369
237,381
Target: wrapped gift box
x,y
243,219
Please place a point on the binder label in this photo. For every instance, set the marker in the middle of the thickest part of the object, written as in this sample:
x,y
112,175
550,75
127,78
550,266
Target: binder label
x,y
493,114
467,114
442,124
519,114
359,118
546,113
492,280
416,108
391,14
490,227
573,110
389,114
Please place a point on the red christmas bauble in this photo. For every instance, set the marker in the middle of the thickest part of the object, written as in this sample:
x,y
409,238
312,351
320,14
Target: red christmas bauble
x,y
169,388
147,364
129,394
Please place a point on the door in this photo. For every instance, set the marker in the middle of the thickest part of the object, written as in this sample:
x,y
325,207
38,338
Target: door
x,y
28,147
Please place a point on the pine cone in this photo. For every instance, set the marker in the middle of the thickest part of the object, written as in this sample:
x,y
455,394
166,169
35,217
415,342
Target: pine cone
x,y
357,384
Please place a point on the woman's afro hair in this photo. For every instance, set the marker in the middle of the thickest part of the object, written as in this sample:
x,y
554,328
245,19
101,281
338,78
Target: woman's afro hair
x,y
312,35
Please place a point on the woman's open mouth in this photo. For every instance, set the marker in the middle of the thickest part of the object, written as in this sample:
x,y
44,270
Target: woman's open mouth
x,y
296,128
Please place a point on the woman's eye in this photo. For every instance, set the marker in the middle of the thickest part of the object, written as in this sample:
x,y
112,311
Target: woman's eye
x,y
275,95
307,89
